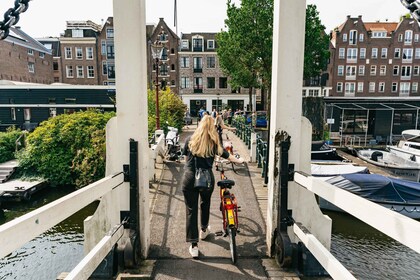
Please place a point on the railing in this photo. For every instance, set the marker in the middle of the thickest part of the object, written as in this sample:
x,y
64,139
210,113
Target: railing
x,y
262,155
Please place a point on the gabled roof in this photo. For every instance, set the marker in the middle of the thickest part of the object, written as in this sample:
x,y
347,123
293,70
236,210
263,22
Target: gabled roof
x,y
389,27
163,24
18,37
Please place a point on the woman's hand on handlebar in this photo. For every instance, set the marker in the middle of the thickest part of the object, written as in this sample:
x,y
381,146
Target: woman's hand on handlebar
x,y
235,159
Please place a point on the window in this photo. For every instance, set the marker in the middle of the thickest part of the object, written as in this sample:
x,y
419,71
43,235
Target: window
x,y
360,87
416,70
400,37
13,113
67,51
397,53
350,72
31,67
110,33
222,82
352,53
382,70
111,70
77,33
185,44
339,87
211,82
407,54
340,70
163,69
394,87
30,51
210,44
104,68
198,44
341,53
384,53
89,53
404,88
353,37
374,52
55,66
373,70
69,71
27,114
378,34
396,70
408,37
90,72
345,37
415,87
361,70
417,54
372,87
79,71
405,71
350,88
198,83
416,38
381,86
185,62
211,62
110,53
198,63
185,82
363,53
103,47
79,53
172,67
41,54
361,37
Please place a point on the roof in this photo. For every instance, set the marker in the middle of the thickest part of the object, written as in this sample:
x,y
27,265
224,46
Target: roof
x,y
389,27
18,37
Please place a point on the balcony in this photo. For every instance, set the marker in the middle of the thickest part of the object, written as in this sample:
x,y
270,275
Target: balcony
x,y
198,70
198,89
197,48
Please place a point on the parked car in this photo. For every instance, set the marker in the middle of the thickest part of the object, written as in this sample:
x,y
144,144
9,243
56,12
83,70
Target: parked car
x,y
261,119
188,119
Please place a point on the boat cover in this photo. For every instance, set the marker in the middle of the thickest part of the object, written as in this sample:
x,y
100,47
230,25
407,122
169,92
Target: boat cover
x,y
379,188
328,170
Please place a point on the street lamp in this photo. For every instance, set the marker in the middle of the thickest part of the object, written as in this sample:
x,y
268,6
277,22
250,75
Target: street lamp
x,y
157,50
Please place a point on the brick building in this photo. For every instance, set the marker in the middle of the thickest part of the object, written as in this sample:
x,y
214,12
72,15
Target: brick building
x,y
79,57
203,83
53,45
23,59
106,53
375,59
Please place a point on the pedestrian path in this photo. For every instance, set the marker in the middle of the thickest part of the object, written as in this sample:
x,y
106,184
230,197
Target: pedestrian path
x,y
169,251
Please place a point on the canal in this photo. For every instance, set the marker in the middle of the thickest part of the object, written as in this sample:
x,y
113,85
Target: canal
x,y
363,250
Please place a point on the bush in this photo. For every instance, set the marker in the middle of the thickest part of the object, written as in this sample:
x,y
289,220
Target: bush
x,y
8,143
67,149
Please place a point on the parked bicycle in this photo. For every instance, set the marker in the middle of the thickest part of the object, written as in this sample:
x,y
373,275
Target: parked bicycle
x,y
229,209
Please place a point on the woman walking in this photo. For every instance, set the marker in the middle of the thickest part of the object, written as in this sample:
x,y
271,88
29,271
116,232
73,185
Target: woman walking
x,y
200,151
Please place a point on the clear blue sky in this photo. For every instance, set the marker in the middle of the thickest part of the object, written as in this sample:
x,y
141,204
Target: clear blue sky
x,y
47,17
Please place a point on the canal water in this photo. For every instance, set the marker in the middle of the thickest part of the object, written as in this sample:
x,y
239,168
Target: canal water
x,y
363,250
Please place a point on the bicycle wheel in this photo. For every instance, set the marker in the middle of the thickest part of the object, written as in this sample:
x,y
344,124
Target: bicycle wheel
x,y
232,242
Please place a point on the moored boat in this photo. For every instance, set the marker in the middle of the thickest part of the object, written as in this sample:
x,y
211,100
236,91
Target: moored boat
x,y
395,165
401,196
409,146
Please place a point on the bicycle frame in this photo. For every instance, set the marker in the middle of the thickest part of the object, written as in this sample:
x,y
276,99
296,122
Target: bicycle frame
x,y
228,206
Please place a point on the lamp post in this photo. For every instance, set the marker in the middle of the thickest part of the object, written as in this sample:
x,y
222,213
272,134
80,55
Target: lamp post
x,y
217,105
157,49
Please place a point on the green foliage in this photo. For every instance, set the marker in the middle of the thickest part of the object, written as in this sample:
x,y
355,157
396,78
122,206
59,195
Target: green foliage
x,y
67,149
171,110
8,143
313,110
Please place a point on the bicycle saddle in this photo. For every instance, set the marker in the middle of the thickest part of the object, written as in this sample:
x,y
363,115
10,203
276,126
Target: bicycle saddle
x,y
226,183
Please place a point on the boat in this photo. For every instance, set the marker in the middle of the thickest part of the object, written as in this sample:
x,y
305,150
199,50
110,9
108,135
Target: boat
x,y
395,165
401,196
320,150
330,170
409,145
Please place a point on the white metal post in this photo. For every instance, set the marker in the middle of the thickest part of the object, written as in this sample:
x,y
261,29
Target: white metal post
x,y
286,115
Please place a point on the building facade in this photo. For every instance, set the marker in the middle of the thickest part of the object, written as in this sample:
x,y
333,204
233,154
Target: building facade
x,y
202,82
106,54
53,45
23,59
375,59
79,57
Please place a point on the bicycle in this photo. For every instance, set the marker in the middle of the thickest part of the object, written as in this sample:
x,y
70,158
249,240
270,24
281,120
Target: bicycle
x,y
229,209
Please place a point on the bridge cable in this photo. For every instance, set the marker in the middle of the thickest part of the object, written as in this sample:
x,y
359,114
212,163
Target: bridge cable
x,y
11,17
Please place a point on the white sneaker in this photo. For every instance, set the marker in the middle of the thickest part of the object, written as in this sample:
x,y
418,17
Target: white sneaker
x,y
194,251
204,234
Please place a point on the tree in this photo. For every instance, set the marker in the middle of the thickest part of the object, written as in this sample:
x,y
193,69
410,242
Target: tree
x,y
245,49
316,44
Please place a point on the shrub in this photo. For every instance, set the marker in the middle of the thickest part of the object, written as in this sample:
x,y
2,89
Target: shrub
x,y
67,149
8,143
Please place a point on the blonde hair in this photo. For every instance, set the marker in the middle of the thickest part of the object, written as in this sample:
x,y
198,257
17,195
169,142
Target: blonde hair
x,y
205,140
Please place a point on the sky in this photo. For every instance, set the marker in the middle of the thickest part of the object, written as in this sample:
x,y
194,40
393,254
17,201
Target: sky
x,y
48,17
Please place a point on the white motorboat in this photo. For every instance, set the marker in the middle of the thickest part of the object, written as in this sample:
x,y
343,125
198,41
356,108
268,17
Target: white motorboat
x,y
409,146
397,166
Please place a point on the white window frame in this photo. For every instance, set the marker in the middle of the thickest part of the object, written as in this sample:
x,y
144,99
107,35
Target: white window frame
x,y
89,53
350,88
185,44
407,54
79,71
416,70
31,67
340,70
69,71
373,70
344,37
211,42
68,53
414,87
400,37
408,37
406,71
417,53
361,70
416,37
362,53
90,70
397,53
339,87
372,86
30,52
341,53
374,53
185,82
382,70
384,52
103,47
77,33
353,37
360,86
394,87
185,61
405,88
79,52
109,32
351,72
396,73
352,54
361,37
381,87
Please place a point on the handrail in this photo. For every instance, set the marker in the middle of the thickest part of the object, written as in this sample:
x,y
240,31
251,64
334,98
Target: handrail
x,y
17,232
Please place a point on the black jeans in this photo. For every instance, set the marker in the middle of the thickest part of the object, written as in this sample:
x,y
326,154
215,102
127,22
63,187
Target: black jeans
x,y
191,204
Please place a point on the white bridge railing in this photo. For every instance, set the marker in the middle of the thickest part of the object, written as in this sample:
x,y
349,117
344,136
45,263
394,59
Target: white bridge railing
x,y
19,231
401,228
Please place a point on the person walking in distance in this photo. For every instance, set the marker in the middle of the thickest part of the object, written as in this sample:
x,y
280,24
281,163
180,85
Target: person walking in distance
x,y
200,150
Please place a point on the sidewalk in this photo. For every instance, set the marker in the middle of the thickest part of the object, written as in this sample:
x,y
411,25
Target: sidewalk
x,y
169,254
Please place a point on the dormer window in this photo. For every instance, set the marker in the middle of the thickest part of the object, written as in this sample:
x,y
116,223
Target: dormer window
x,y
379,34
184,44
77,33
198,44
210,44
353,37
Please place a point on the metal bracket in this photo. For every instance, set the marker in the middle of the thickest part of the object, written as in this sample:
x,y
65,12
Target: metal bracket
x,y
126,172
291,172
